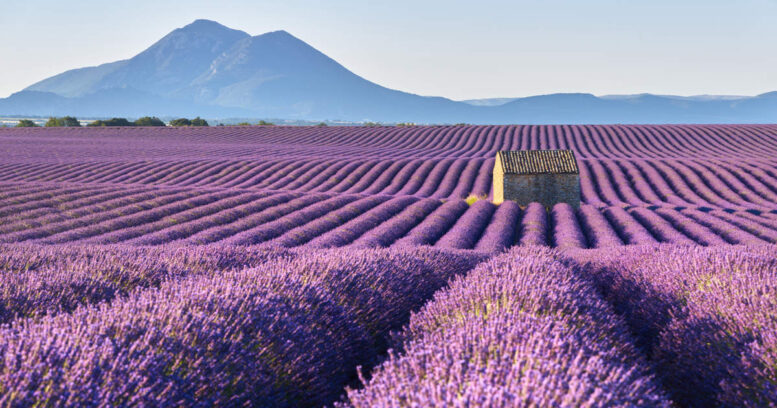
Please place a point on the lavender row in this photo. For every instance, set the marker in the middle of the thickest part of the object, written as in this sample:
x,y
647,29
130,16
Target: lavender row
x,y
754,224
68,210
299,228
469,227
71,229
500,232
39,280
752,142
730,232
153,213
351,230
217,203
534,226
435,225
62,203
288,333
386,233
48,197
629,228
153,217
566,230
228,215
659,227
676,180
291,203
690,227
705,316
522,329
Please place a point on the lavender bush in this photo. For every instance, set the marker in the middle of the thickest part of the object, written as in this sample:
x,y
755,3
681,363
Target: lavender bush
x,y
288,333
704,315
501,231
520,330
534,226
38,280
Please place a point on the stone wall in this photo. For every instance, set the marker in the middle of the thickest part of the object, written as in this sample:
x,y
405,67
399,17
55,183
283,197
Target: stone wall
x,y
498,181
547,189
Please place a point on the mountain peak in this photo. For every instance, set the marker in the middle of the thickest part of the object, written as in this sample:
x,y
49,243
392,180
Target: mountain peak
x,y
205,21
208,26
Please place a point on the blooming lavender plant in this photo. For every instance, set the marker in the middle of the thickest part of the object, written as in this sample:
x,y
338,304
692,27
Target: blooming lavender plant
x,y
501,231
348,232
39,280
288,333
566,230
519,330
534,226
389,231
704,315
435,225
468,229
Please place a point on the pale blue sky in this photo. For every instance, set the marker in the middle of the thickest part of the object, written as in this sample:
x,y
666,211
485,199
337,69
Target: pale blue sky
x,y
451,48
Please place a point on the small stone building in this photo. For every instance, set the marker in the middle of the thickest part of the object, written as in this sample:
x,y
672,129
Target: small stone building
x,y
544,176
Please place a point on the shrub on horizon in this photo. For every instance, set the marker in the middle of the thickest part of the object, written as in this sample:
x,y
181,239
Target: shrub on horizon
x,y
65,121
180,122
199,122
189,122
26,123
149,121
111,122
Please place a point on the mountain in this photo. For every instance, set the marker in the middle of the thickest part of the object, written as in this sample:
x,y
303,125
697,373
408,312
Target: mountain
x,y
215,71
207,69
169,64
643,108
488,101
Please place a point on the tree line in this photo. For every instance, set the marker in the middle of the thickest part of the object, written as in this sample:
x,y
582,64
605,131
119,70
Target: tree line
x,y
70,121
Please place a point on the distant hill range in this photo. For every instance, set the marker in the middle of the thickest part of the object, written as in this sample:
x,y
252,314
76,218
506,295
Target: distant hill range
x,y
206,69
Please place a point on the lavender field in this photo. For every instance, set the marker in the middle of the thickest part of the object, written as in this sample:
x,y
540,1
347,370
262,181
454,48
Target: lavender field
x,y
367,266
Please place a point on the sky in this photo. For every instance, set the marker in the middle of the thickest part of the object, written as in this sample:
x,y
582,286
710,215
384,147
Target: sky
x,y
451,48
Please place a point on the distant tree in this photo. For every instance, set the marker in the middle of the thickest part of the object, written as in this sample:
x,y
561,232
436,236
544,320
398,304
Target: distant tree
x,y
242,124
71,121
65,121
26,123
111,122
371,124
149,121
404,124
265,123
322,124
199,122
180,122
462,124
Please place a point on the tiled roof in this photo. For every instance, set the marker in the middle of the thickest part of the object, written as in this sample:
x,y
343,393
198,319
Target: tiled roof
x,y
538,161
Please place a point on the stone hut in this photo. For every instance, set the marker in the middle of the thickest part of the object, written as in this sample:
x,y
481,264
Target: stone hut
x,y
545,176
